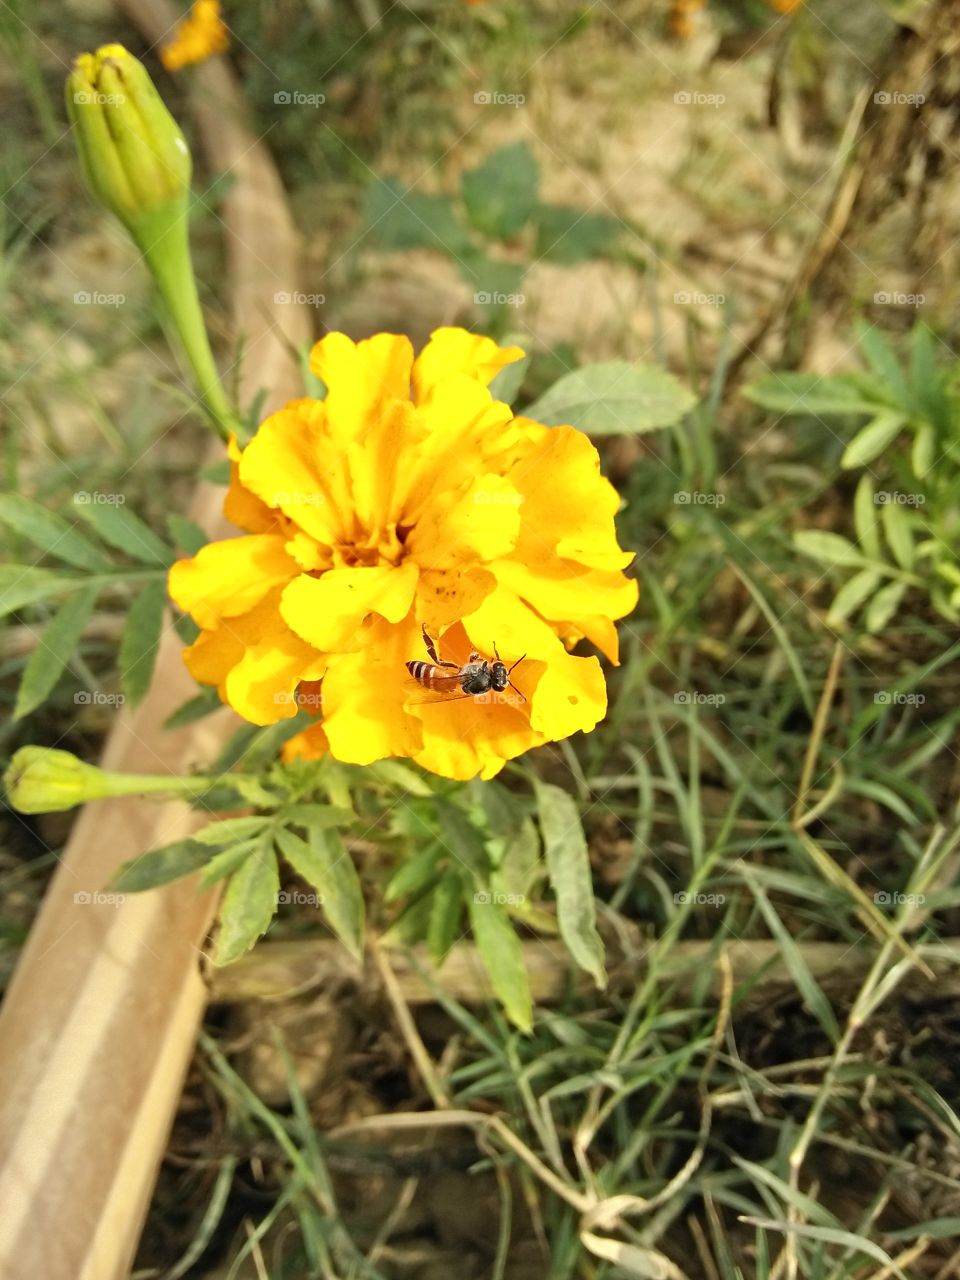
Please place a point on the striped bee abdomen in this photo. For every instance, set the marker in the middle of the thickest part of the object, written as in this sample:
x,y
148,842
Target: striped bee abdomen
x,y
433,677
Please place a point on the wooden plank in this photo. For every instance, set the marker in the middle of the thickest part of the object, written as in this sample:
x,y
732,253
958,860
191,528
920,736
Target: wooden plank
x,y
99,1024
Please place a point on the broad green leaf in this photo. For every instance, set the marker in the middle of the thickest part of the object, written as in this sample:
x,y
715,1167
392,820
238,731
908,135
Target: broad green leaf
x,y
445,913
866,521
399,776
883,361
118,525
160,866
324,862
828,548
22,584
55,647
226,861
568,864
219,834
461,839
51,533
249,905
884,605
400,219
898,527
520,863
613,398
871,440
502,954
494,283
923,453
193,709
317,815
500,195
415,873
852,595
506,385
812,395
186,534
141,640
569,235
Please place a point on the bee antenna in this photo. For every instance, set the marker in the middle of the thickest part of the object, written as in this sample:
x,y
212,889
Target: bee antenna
x,y
514,687
517,663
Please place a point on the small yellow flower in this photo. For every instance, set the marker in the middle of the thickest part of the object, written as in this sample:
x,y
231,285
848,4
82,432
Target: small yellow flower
x,y
198,36
410,498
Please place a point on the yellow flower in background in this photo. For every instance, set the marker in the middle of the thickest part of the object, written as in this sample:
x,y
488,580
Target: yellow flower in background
x,y
199,35
410,498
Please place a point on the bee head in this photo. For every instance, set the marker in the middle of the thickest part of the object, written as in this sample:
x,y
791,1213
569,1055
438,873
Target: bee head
x,y
499,676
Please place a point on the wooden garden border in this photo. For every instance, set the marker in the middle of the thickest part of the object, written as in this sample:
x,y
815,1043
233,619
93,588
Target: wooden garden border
x,y
99,1024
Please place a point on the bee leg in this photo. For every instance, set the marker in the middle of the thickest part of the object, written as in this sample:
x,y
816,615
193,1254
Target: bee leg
x,y
432,651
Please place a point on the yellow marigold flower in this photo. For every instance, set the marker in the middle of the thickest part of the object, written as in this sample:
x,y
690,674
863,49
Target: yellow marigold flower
x,y
784,6
199,35
410,498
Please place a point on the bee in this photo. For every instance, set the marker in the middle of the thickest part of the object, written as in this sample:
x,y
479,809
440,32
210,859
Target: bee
x,y
475,678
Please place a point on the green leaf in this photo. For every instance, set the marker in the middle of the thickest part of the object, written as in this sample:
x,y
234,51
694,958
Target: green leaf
x,y
828,548
883,362
502,954
160,866
871,440
923,453
205,702
506,386
520,864
219,834
249,905
22,584
569,235
852,595
568,864
186,534
117,525
141,640
399,776
226,861
614,397
51,533
398,219
416,872
54,650
495,284
865,518
500,195
324,862
898,528
884,605
445,912
811,395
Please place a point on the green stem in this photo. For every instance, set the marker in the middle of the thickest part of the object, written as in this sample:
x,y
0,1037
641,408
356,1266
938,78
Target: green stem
x,y
169,261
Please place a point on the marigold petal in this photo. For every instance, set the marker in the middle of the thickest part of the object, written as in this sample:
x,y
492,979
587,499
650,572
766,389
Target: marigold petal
x,y
364,692
262,685
329,612
288,467
312,744
482,524
360,377
226,579
451,351
444,596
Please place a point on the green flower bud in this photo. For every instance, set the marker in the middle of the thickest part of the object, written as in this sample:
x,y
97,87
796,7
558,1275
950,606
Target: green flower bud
x,y
134,157
47,780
